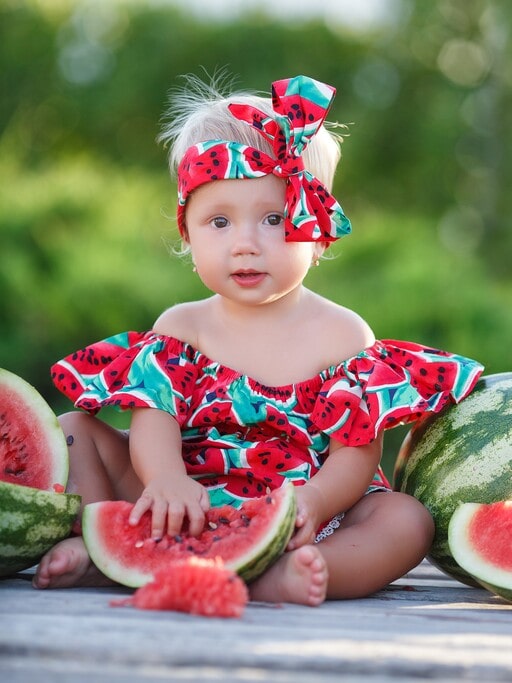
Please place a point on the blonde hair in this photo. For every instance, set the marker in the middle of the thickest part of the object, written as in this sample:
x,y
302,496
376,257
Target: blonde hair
x,y
199,112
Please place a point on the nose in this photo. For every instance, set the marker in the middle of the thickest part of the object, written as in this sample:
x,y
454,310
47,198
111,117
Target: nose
x,y
245,239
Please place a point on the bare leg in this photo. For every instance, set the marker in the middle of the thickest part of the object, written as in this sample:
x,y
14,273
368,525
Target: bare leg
x,y
381,538
100,469
99,460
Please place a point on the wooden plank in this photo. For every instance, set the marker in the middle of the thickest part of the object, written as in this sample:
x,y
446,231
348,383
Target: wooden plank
x,y
422,627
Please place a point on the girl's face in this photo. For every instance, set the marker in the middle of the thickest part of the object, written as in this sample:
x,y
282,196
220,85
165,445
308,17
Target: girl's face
x,y
236,235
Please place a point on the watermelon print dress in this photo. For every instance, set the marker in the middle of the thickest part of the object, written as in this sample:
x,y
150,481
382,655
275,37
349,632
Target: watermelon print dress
x,y
240,436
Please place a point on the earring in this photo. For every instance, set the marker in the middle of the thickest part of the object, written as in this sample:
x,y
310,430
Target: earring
x,y
316,261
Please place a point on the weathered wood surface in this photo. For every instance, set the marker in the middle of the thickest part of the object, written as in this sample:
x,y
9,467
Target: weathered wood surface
x,y
423,627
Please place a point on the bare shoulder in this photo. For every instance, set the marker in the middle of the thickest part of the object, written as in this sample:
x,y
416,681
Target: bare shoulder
x,y
348,334
181,321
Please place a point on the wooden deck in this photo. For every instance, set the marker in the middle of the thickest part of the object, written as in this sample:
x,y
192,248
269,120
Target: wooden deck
x,y
423,627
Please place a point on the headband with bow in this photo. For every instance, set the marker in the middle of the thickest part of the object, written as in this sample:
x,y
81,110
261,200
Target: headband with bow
x,y
300,106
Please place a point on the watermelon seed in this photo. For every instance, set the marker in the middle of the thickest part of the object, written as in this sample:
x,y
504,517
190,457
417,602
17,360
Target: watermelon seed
x,y
15,472
139,544
178,538
223,520
212,525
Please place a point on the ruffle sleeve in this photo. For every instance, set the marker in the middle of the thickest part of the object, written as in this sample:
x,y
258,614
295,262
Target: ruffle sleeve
x,y
391,383
129,370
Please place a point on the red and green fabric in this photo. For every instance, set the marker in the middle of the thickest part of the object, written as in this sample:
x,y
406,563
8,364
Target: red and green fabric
x,y
240,436
300,106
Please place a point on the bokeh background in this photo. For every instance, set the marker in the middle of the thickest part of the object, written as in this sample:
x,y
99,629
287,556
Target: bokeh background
x,y
87,205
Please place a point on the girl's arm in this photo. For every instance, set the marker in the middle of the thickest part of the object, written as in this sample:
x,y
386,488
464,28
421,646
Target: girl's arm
x,y
170,494
342,480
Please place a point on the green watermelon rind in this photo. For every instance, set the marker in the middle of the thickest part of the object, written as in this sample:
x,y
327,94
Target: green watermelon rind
x,y
443,463
31,522
39,415
271,546
249,566
494,579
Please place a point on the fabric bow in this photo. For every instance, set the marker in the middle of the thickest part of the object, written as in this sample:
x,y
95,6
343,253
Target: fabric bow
x,y
300,105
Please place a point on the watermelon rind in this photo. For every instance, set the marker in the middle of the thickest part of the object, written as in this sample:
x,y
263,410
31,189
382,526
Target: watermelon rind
x,y
493,578
460,455
31,522
248,565
273,544
49,465
111,566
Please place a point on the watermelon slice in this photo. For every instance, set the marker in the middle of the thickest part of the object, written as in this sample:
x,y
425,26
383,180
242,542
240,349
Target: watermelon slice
x,y
196,585
33,449
480,539
248,540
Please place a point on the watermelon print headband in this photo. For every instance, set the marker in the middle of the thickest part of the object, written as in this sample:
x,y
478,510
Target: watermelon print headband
x,y
300,106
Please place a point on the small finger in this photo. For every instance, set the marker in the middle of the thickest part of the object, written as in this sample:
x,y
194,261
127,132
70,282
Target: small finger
x,y
204,501
196,521
292,544
300,520
301,537
175,515
140,507
158,520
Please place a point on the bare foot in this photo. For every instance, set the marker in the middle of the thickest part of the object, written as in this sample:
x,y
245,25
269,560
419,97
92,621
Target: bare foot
x,y
68,564
299,576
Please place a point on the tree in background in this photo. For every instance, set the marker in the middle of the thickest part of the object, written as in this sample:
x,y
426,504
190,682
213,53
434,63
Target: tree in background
x,y
85,199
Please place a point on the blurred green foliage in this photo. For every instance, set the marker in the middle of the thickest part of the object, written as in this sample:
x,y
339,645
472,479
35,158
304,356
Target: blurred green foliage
x,y
86,204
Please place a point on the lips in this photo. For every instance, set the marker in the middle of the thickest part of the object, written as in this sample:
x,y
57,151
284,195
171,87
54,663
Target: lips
x,y
248,278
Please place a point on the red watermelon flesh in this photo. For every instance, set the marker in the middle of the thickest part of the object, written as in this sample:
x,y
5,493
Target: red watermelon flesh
x,y
490,533
480,539
195,585
33,450
248,540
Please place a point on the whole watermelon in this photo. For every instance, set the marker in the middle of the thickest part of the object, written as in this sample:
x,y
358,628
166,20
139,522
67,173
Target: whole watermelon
x,y
461,455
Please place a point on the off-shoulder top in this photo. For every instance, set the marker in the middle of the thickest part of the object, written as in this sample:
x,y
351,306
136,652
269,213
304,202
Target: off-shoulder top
x,y
240,436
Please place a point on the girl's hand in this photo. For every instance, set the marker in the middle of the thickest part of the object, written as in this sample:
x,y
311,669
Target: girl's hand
x,y
172,500
309,516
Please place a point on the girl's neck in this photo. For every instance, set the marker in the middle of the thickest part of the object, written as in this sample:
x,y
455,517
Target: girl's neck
x,y
261,341
282,310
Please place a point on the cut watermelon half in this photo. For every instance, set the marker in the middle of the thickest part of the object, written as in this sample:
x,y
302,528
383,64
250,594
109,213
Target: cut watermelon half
x,y
33,449
248,540
480,539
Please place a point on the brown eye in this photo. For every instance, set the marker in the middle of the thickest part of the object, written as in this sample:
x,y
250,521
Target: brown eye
x,y
219,222
274,219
